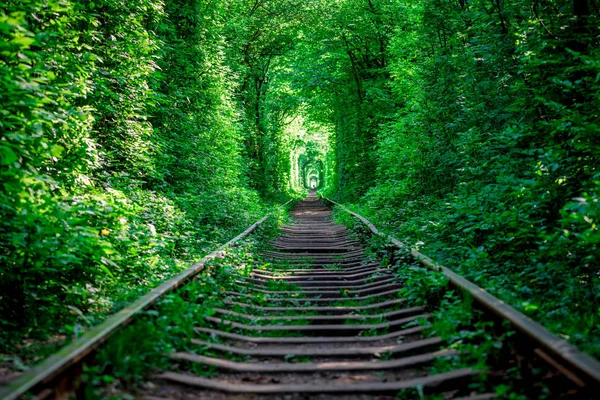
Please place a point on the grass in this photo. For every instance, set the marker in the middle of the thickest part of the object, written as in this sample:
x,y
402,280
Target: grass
x,y
333,267
291,358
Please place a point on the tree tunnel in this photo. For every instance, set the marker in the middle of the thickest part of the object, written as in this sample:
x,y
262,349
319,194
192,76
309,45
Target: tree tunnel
x,y
311,158
311,171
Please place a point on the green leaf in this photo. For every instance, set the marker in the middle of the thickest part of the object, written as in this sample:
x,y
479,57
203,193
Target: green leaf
x,y
105,262
8,156
24,41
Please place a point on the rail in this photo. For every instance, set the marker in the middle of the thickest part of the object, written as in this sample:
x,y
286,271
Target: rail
x,y
578,366
44,373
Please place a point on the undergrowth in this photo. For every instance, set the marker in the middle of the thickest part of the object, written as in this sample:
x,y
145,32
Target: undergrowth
x,y
541,287
135,352
479,343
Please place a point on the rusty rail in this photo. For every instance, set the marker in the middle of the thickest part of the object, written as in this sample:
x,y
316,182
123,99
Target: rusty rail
x,y
578,366
343,344
47,371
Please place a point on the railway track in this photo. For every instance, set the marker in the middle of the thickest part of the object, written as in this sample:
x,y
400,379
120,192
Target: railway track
x,y
323,320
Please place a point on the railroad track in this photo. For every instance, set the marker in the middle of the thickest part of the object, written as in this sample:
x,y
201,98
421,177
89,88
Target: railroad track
x,y
323,320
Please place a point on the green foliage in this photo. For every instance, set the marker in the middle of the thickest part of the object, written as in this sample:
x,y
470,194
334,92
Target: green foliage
x,y
122,156
478,342
486,160
422,285
123,364
135,137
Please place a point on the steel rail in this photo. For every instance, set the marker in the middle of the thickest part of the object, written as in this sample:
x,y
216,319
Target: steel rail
x,y
48,370
585,368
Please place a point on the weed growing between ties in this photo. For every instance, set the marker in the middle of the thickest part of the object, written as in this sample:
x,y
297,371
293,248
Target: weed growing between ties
x,y
291,358
135,352
282,286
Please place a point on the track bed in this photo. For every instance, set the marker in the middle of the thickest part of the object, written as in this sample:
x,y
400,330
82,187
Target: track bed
x,y
319,320
330,324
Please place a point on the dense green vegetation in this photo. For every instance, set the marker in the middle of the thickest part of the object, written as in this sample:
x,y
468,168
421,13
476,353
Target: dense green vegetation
x,y
481,119
124,363
136,136
128,150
